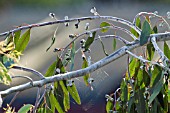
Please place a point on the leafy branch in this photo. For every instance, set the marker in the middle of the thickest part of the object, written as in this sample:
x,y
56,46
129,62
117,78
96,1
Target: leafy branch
x,y
141,89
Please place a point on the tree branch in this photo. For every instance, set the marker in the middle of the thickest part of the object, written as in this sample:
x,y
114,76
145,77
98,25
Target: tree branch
x,y
116,19
78,73
29,70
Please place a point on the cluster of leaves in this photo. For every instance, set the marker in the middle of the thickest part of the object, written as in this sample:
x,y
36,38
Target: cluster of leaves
x,y
143,89
145,86
58,97
10,50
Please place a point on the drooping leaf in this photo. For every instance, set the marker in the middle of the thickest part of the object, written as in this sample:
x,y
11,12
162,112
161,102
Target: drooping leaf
x,y
25,108
154,107
74,93
139,79
156,75
66,99
131,103
9,39
150,51
146,78
124,91
4,76
103,47
60,65
72,56
156,89
166,50
17,36
51,70
140,101
23,41
118,106
66,102
133,67
169,96
155,29
89,41
114,44
146,30
109,106
42,110
85,77
104,24
52,43
54,102
138,24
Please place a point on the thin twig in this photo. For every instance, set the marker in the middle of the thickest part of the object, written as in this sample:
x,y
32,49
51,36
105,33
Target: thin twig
x,y
38,103
159,51
14,97
115,36
152,14
28,78
116,19
37,99
29,70
93,30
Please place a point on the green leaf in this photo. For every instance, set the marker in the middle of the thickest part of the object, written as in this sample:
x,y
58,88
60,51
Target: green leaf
x,y
169,95
66,100
103,47
72,56
156,89
114,44
54,103
4,76
124,91
154,107
17,36
74,93
9,39
7,61
140,101
150,51
51,70
85,77
155,29
146,78
156,75
131,68
139,77
131,105
134,66
23,41
146,30
25,108
52,43
42,110
109,106
89,41
138,24
104,24
166,50
60,65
